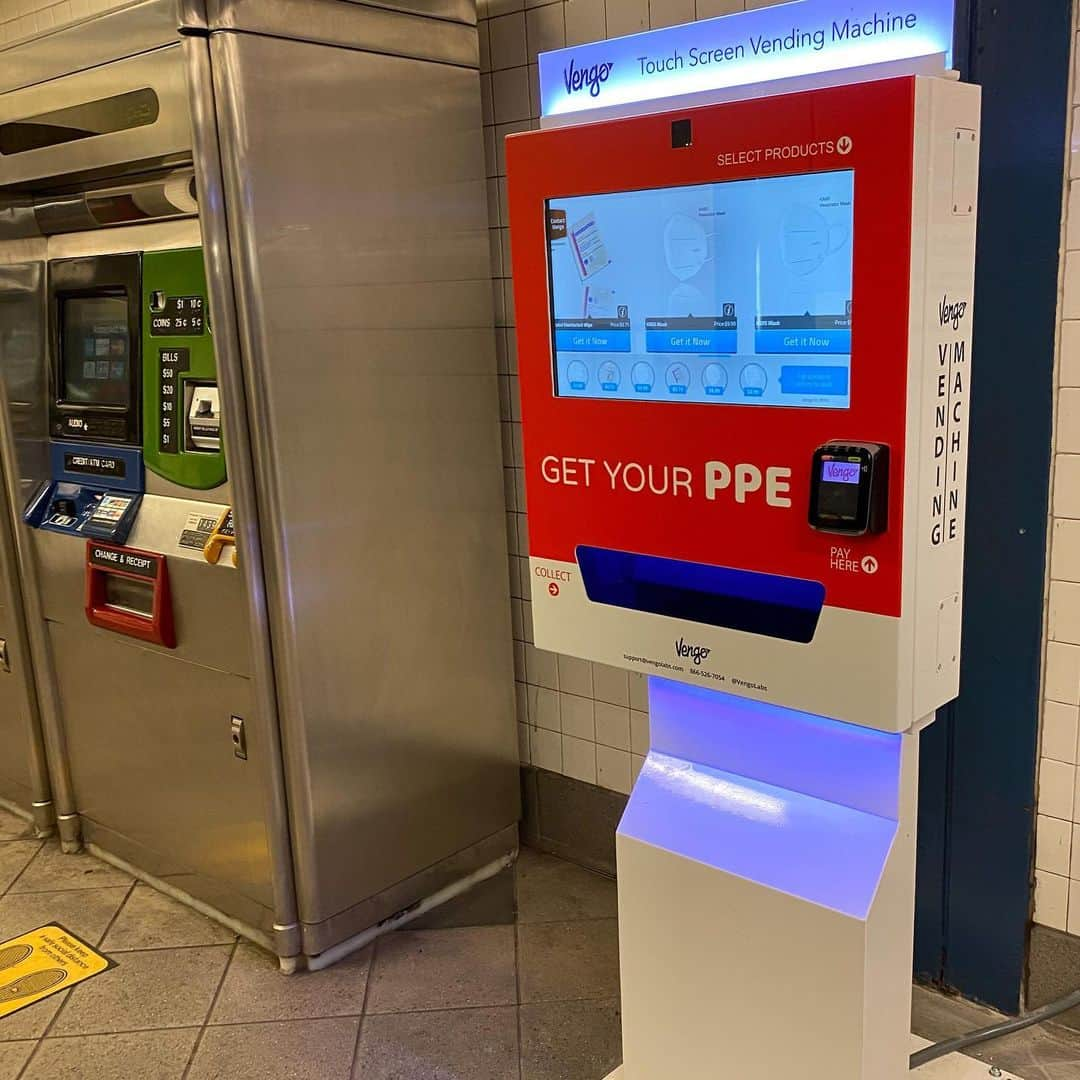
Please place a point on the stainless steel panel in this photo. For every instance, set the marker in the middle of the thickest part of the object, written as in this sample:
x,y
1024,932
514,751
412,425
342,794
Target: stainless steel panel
x,y
455,10
193,14
23,368
88,43
16,783
160,236
379,471
169,137
158,485
318,937
208,604
223,314
398,29
152,760
162,521
24,773
164,867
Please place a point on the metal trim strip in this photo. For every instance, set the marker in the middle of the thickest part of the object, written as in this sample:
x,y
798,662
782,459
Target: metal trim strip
x,y
462,11
87,43
48,743
167,139
392,906
392,30
225,300
41,787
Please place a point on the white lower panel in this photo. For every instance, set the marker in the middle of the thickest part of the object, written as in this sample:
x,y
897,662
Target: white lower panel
x,y
874,690
953,1067
735,894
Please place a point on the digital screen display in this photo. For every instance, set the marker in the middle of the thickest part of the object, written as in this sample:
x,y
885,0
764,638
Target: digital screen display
x,y
840,472
95,350
736,292
838,492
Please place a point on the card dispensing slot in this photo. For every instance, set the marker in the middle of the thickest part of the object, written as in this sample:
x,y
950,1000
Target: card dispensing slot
x,y
755,603
127,592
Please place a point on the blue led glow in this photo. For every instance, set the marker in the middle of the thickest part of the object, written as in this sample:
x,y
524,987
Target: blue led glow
x,y
756,603
820,851
821,757
788,799
778,42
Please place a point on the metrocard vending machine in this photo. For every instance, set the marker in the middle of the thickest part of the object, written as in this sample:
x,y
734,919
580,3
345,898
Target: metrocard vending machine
x,y
235,474
744,335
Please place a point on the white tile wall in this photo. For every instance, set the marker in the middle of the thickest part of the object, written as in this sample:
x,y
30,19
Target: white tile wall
x,y
27,18
1057,836
585,720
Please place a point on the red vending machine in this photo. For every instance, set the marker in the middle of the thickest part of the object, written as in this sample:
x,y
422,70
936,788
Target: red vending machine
x,y
744,345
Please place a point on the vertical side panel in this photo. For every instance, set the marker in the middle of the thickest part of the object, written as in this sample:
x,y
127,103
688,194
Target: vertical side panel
x,y
24,776
222,300
946,154
359,238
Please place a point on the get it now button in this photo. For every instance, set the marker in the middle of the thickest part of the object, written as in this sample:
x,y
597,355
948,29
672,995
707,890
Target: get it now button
x,y
592,340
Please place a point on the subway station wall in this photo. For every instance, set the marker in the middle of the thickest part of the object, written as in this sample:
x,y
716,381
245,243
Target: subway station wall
x,y
584,720
27,18
1057,847
589,721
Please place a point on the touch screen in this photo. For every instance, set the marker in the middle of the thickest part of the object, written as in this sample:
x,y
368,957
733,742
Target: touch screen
x,y
96,344
736,292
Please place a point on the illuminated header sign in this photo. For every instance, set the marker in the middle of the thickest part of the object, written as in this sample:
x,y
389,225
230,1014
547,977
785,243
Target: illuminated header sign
x,y
762,45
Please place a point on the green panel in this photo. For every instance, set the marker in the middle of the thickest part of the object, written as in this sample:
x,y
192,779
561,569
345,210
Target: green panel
x,y
178,278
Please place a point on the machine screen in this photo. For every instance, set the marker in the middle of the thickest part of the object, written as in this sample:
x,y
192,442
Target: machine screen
x,y
735,292
840,472
96,344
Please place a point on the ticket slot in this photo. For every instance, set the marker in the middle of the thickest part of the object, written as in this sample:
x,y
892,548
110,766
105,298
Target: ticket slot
x,y
127,592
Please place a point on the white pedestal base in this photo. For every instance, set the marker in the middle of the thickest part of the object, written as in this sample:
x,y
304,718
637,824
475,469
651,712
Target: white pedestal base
x,y
953,1067
766,895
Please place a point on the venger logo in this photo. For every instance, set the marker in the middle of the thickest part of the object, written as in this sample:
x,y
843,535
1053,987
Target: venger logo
x,y
697,653
575,78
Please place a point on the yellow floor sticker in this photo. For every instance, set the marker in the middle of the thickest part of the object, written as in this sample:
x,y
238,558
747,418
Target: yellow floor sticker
x,y
43,962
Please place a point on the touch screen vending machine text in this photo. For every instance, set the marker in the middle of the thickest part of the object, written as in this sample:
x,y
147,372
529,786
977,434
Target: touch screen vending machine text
x,y
744,332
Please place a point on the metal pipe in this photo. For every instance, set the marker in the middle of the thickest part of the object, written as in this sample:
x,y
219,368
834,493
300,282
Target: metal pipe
x,y
214,222
995,1031
264,454
40,784
56,793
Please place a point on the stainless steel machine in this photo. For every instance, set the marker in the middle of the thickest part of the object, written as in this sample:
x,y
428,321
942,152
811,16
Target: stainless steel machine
x,y
252,458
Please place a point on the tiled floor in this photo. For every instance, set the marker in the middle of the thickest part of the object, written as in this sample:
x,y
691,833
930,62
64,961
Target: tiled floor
x,y
533,1001
1044,1052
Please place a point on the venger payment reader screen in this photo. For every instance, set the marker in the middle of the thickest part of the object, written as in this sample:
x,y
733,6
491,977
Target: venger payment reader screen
x,y
736,292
